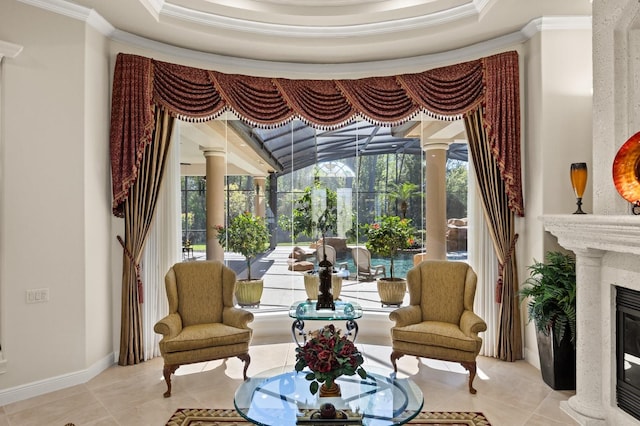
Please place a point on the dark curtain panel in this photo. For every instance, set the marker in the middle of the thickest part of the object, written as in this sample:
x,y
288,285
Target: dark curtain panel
x,y
139,207
500,220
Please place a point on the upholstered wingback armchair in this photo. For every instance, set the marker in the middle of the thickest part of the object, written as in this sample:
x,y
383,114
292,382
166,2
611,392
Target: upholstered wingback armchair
x,y
202,324
439,322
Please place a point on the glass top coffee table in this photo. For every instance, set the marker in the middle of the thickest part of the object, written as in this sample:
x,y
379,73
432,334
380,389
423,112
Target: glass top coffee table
x,y
281,397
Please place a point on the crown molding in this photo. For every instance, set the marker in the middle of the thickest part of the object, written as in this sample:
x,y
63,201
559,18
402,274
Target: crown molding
x,y
9,50
471,9
335,71
551,23
74,11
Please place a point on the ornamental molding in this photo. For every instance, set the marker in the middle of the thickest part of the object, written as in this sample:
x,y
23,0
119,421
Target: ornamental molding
x,y
619,234
9,50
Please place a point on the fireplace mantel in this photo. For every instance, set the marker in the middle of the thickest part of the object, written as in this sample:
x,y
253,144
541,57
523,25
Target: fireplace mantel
x,y
619,234
607,252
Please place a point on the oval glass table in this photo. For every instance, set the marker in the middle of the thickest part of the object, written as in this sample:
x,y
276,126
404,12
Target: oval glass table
x,y
281,397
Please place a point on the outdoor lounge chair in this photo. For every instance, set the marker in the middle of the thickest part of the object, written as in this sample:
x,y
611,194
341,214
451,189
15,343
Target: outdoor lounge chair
x,y
364,270
331,257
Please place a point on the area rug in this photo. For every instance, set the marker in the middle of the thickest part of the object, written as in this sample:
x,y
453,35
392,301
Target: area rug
x,y
229,417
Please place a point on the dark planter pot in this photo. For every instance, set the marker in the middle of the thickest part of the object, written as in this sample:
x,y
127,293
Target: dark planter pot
x,y
557,361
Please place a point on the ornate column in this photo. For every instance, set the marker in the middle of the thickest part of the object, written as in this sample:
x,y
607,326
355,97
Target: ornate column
x,y
215,166
436,200
259,182
586,404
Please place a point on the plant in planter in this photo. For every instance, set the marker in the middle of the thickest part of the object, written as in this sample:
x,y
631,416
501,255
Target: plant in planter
x,y
551,290
389,235
386,237
248,235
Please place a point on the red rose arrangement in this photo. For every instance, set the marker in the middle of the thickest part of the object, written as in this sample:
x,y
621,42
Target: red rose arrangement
x,y
328,355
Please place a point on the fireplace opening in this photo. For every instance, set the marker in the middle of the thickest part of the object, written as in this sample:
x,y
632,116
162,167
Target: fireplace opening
x,y
628,350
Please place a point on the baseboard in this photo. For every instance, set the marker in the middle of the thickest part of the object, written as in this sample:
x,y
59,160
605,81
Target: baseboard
x,y
532,357
41,387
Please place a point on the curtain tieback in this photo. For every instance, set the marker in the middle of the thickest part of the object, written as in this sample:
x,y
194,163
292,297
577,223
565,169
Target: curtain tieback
x,y
137,267
507,259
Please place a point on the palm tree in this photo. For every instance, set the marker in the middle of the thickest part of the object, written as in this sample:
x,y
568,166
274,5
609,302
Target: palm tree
x,y
403,193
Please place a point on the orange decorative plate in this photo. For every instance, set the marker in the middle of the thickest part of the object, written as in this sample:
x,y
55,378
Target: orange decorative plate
x,y
626,169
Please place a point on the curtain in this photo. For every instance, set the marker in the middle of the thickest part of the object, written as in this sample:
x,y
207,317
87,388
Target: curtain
x,y
500,220
138,209
162,249
142,85
482,257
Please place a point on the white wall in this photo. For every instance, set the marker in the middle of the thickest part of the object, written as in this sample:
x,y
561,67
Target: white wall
x,y
55,222
557,123
97,198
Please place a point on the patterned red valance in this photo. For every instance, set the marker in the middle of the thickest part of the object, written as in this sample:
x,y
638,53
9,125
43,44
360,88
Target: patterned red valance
x,y
194,94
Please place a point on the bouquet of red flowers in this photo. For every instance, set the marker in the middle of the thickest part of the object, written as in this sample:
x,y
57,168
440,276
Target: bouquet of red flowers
x,y
329,356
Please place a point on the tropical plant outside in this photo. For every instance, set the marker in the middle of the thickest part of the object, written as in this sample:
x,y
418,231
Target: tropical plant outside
x,y
403,193
389,235
551,288
246,234
301,222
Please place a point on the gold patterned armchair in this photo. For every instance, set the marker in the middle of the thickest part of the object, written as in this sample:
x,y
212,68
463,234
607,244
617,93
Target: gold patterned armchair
x,y
439,322
203,324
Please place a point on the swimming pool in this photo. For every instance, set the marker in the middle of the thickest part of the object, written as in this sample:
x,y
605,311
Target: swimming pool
x,y
401,264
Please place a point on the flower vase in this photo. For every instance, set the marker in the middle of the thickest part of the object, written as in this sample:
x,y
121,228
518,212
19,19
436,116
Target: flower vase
x,y
330,391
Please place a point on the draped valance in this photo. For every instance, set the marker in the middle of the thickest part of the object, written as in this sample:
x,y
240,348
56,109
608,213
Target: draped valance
x,y
192,94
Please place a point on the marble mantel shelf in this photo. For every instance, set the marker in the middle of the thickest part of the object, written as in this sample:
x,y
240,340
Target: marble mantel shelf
x,y
609,233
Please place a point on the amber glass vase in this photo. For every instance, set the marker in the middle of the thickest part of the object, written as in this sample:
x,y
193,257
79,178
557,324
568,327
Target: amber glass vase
x,y
579,183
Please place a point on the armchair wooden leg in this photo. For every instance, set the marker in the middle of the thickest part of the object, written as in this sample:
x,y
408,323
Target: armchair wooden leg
x,y
167,371
247,360
395,355
471,367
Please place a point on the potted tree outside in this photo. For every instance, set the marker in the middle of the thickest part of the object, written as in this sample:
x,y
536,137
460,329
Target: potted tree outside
x,y
551,290
248,235
386,237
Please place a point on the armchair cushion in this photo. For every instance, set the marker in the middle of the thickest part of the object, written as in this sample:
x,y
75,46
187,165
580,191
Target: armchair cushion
x,y
204,336
435,333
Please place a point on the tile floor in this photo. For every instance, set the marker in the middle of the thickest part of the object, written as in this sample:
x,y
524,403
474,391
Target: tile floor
x,y
509,394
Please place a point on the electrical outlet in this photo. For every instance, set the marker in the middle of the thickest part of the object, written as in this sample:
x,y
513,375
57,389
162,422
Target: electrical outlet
x,y
38,295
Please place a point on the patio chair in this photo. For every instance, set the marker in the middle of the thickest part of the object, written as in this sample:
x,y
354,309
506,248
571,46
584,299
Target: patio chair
x,y
332,257
364,269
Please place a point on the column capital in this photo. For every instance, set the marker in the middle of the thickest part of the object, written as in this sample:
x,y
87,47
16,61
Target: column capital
x,y
213,152
433,145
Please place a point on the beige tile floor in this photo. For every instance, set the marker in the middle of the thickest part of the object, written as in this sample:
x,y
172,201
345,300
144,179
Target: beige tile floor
x,y
509,394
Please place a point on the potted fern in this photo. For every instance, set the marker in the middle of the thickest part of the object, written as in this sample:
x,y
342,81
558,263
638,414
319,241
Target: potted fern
x,y
248,235
551,293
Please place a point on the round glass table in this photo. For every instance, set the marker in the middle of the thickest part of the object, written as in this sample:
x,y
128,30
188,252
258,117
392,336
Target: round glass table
x,y
281,397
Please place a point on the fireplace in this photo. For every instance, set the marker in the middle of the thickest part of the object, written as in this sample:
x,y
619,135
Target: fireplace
x,y
628,350
607,252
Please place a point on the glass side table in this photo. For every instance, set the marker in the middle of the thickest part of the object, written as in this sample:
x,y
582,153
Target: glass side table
x,y
306,310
